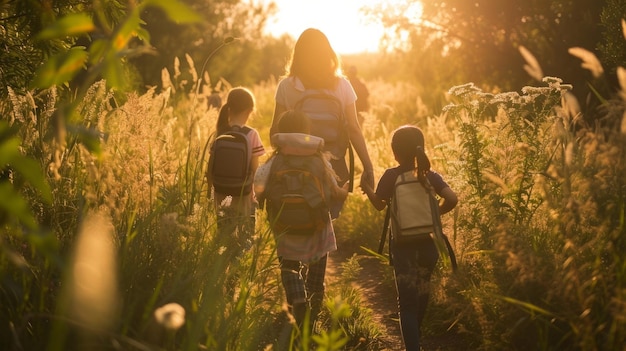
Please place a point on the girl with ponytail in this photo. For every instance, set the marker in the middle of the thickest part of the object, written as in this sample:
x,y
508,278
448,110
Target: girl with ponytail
x,y
413,263
236,211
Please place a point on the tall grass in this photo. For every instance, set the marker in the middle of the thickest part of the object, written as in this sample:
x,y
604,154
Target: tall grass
x,y
540,225
126,253
117,248
541,221
147,187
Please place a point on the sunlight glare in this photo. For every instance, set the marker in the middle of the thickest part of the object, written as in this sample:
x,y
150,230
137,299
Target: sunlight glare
x,y
347,28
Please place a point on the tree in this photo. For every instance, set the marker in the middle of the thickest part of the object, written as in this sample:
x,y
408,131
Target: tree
x,y
480,39
235,62
23,53
22,20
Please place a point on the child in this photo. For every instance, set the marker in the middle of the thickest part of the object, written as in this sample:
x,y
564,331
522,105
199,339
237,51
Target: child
x,y
231,209
302,258
414,263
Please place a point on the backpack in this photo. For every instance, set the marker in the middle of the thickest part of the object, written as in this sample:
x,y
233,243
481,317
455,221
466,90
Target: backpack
x,y
414,216
296,195
329,123
230,162
327,120
414,209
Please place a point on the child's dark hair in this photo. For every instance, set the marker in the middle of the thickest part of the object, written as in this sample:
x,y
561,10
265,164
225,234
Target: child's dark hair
x,y
407,145
292,121
239,99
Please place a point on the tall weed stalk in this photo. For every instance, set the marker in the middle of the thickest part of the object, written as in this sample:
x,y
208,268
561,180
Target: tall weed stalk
x,y
543,207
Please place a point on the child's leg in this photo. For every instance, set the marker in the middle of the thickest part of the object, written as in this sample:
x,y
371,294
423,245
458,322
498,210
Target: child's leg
x,y
413,266
315,285
294,286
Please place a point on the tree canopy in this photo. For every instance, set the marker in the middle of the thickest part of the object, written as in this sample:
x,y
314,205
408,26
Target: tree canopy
x,y
151,39
479,40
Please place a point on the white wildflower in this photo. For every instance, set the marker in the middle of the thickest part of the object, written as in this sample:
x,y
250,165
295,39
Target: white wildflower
x,y
528,90
551,80
464,89
171,316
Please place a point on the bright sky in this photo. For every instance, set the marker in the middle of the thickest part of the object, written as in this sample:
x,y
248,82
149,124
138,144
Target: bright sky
x,y
341,21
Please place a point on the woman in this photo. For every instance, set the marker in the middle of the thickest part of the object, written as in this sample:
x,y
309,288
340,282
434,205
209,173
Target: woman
x,y
315,66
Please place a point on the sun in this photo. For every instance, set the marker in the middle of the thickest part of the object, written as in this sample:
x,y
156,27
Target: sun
x,y
347,28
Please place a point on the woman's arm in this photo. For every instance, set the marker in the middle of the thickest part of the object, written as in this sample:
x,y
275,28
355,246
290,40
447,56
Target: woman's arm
x,y
358,142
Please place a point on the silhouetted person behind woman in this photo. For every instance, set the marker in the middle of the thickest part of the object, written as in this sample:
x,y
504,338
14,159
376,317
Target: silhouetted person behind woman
x,y
362,94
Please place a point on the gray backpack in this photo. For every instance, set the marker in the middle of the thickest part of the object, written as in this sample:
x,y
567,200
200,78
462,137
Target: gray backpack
x,y
329,123
327,120
230,162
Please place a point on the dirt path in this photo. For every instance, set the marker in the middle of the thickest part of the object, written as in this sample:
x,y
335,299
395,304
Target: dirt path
x,y
376,296
381,298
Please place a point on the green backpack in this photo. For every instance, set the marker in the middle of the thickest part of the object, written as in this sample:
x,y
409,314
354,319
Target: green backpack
x,y
297,195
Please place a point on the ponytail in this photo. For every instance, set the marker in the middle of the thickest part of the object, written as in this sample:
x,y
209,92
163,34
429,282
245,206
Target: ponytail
x,y
407,144
222,124
422,162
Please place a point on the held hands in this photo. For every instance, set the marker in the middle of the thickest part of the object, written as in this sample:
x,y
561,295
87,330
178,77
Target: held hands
x,y
367,186
366,189
367,182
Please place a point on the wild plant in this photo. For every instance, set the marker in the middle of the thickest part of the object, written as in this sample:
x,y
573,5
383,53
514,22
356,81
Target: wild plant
x,y
535,177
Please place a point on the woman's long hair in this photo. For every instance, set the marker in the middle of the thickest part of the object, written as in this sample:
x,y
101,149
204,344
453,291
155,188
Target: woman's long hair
x,y
407,144
314,61
239,99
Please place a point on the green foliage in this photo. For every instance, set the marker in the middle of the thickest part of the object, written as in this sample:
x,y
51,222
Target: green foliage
x,y
458,41
537,234
250,59
350,325
104,54
539,230
24,167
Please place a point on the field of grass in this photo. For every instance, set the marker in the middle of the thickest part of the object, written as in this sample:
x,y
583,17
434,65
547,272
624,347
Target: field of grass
x,y
108,236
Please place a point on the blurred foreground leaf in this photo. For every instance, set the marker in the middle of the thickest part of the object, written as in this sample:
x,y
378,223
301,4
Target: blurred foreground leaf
x,y
176,11
71,25
61,68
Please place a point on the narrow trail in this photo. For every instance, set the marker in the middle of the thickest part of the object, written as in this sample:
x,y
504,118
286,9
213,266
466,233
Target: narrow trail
x,y
381,299
375,295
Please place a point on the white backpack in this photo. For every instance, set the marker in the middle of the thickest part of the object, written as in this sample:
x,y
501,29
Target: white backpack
x,y
414,216
414,209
